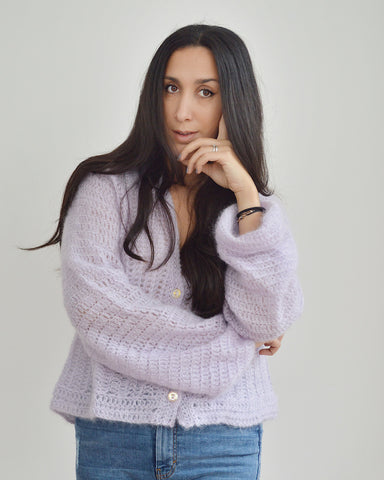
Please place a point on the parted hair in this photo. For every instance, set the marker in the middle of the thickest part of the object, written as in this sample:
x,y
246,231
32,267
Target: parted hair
x,y
147,152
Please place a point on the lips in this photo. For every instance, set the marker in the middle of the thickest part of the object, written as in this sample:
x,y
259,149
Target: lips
x,y
184,137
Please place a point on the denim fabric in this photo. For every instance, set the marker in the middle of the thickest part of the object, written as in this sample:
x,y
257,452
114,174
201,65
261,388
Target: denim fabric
x,y
110,450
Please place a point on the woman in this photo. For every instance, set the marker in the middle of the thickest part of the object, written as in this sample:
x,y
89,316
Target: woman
x,y
178,264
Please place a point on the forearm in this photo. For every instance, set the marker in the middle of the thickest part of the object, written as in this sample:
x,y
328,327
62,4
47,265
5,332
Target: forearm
x,y
263,295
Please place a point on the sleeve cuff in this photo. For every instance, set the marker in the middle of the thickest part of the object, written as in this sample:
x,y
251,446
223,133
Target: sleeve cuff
x,y
270,233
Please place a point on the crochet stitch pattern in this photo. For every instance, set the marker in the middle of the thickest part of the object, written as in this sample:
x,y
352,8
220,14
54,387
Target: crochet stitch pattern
x,y
136,340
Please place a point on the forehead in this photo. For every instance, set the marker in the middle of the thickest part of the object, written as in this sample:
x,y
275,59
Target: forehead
x,y
191,63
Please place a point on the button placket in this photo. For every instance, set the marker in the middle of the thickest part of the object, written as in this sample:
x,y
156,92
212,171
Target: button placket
x,y
173,396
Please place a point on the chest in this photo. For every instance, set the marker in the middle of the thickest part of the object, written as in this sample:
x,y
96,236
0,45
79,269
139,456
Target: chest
x,y
183,203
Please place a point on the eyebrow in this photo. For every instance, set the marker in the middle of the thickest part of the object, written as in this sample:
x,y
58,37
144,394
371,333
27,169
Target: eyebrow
x,y
199,80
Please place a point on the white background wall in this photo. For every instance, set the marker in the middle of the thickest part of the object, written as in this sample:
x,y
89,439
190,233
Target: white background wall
x,y
71,77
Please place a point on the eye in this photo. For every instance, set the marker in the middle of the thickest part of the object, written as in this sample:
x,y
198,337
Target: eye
x,y
169,85
206,90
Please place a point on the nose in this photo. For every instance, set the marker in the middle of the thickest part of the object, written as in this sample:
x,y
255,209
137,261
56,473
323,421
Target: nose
x,y
184,107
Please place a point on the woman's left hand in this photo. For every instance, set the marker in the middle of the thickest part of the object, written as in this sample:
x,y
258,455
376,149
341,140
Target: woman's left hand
x,y
223,166
273,344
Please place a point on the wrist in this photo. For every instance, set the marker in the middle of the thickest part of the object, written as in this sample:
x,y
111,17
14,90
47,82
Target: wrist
x,y
248,198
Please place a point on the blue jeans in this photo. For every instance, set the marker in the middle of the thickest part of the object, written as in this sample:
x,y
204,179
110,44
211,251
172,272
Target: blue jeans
x,y
111,450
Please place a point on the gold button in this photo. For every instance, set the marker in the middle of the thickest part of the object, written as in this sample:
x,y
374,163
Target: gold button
x,y
176,293
173,396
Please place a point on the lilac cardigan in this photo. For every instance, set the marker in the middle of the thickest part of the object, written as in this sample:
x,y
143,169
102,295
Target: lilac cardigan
x,y
139,354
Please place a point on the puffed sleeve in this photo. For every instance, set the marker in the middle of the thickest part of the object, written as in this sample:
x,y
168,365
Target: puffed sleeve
x,y
263,295
123,328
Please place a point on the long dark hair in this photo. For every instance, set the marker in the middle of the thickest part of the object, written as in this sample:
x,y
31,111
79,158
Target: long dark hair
x,y
146,150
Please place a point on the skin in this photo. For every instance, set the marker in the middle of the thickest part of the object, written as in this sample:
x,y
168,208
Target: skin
x,y
192,105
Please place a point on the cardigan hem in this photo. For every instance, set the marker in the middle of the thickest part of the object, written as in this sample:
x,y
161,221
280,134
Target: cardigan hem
x,y
184,416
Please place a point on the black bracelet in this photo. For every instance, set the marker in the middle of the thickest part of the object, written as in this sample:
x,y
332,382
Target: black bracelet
x,y
254,209
248,211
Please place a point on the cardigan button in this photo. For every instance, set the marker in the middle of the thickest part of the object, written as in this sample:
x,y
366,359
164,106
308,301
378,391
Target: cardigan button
x,y
176,293
173,396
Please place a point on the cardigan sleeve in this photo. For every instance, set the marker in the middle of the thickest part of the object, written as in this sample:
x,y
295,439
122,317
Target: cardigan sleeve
x,y
263,295
127,330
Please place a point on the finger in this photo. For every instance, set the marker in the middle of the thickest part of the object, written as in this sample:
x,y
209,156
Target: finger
x,y
269,351
192,162
194,145
265,351
200,142
274,346
206,157
223,134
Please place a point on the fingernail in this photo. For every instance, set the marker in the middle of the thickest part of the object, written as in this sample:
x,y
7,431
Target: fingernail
x,y
187,170
178,158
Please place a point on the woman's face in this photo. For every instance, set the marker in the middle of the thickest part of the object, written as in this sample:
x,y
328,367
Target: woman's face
x,y
192,100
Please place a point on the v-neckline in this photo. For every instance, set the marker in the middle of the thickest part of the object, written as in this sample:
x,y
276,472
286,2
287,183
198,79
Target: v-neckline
x,y
174,217
176,222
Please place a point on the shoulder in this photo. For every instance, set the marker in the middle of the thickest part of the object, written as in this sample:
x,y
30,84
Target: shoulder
x,y
102,196
100,184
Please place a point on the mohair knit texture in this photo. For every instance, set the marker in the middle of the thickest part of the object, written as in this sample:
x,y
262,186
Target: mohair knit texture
x,y
136,338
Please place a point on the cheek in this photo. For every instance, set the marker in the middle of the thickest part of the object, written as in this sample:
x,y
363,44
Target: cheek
x,y
215,119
